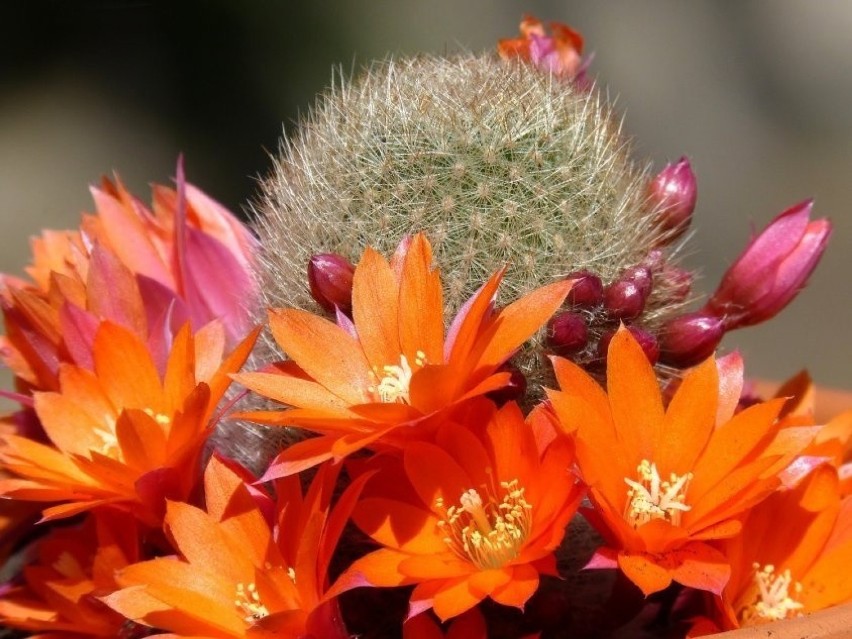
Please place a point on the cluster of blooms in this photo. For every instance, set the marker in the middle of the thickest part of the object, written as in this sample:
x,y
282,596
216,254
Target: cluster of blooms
x,y
429,502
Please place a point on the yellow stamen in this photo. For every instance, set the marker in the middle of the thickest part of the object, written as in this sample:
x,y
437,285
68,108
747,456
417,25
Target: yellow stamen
x,y
162,420
652,498
488,534
772,600
248,603
394,380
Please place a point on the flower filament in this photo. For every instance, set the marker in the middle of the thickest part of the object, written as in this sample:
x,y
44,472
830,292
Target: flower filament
x,y
394,380
248,603
773,601
653,498
488,534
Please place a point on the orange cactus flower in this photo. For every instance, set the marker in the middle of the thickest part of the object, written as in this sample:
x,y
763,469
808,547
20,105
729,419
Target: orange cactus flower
x,y
559,53
358,382
150,272
476,514
235,577
777,576
123,434
665,482
71,567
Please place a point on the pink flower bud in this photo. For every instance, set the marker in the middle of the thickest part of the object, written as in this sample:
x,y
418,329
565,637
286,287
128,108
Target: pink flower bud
x,y
567,333
674,191
587,291
330,279
624,300
678,281
641,277
689,339
772,269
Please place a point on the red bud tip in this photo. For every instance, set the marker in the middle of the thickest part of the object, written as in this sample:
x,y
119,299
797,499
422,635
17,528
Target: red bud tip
x,y
690,339
641,277
587,291
674,192
624,300
567,333
330,280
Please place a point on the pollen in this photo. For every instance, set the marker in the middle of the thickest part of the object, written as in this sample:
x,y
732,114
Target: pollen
x,y
162,420
394,380
248,603
654,498
773,600
488,533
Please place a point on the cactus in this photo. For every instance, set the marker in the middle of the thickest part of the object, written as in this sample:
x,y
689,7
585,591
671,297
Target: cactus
x,y
498,162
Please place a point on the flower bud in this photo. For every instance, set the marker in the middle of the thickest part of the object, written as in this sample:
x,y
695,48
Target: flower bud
x,y
567,333
674,192
587,291
646,341
330,280
678,281
641,277
624,300
690,339
772,269
513,391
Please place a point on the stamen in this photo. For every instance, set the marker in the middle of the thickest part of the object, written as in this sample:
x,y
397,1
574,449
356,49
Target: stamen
x,y
772,599
162,420
488,534
248,603
651,498
394,380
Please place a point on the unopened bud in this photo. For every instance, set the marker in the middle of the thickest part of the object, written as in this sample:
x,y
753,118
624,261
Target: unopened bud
x,y
567,333
513,391
646,341
624,300
641,277
772,269
587,291
690,339
678,282
330,280
674,191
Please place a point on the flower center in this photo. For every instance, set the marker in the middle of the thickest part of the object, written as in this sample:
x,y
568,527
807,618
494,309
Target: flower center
x,y
772,599
488,534
162,420
248,603
652,498
394,380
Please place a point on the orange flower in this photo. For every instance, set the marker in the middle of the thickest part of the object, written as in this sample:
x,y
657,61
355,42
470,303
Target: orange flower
x,y
235,577
560,53
780,574
122,434
356,383
664,482
151,272
72,567
476,514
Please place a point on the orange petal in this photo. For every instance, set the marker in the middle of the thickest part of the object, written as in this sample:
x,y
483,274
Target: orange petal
x,y
324,351
634,395
731,443
574,381
689,421
520,587
375,310
516,323
435,475
700,566
125,369
396,524
291,391
421,306
642,571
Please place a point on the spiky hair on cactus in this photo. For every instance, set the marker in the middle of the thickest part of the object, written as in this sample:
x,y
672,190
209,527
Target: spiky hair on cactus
x,y
498,162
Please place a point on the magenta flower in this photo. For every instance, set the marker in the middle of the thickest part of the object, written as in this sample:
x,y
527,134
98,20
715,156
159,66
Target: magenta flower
x,y
773,268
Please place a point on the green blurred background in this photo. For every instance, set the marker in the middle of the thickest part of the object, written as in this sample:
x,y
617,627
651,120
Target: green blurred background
x,y
756,94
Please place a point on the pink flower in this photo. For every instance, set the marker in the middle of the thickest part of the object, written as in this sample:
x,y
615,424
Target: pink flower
x,y
773,268
559,53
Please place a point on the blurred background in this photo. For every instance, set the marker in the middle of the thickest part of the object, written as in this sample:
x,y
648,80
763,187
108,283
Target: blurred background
x,y
756,94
